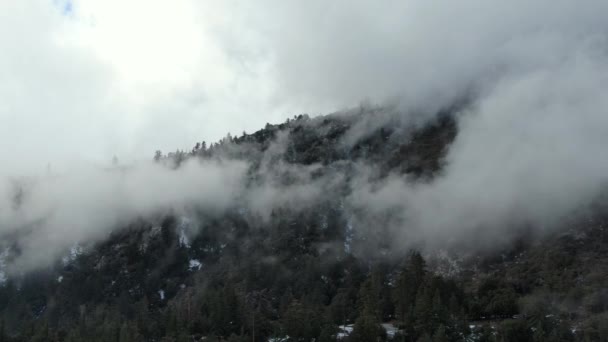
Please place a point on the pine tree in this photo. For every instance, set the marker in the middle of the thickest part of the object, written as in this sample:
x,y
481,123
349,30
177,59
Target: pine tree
x,y
417,267
369,299
367,329
2,331
125,334
340,306
439,311
440,335
425,338
328,333
539,334
41,333
403,295
487,334
423,311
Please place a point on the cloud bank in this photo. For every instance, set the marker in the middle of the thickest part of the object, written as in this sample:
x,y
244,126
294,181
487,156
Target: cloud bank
x,y
87,79
44,216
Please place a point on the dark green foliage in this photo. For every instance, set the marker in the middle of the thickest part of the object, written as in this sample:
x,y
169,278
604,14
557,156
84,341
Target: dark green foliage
x,y
367,328
302,323
440,334
515,330
425,338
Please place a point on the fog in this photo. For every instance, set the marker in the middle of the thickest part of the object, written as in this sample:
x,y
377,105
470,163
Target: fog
x,y
46,215
527,154
85,80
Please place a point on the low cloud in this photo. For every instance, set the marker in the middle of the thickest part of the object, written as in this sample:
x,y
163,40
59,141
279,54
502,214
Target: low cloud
x,y
46,215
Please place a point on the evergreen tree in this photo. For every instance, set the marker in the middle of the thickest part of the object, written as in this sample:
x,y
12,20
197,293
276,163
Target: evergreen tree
x,y
328,333
425,338
340,307
366,329
417,267
2,330
440,334
423,311
515,330
539,334
404,296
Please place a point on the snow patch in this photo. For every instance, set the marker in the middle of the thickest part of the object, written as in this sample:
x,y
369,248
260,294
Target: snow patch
x,y
390,329
344,331
184,225
75,251
445,264
324,224
195,265
156,230
183,239
348,236
279,339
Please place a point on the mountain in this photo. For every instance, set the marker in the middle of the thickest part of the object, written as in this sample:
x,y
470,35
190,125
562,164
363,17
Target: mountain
x,y
297,257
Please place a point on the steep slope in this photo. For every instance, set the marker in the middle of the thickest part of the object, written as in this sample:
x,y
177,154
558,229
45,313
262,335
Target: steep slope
x,y
302,267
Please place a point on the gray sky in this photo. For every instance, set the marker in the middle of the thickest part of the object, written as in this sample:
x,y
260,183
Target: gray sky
x,y
87,79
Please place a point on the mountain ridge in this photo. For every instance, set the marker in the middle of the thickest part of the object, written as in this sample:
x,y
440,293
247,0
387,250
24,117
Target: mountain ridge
x,y
305,265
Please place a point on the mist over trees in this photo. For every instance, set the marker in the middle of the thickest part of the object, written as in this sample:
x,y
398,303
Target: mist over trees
x,y
289,256
464,199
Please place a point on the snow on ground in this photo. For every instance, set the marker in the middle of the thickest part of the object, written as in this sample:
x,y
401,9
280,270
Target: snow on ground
x,y
143,246
344,331
194,264
75,251
156,230
445,264
390,329
324,224
183,239
184,227
348,237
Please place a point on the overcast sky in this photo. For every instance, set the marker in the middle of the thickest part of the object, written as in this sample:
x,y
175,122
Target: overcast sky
x,y
89,79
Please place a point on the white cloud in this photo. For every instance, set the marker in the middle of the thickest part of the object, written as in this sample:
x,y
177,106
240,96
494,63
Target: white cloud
x,y
88,202
128,77
125,78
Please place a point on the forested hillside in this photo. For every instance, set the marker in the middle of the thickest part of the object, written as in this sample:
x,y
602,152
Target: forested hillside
x,y
302,263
